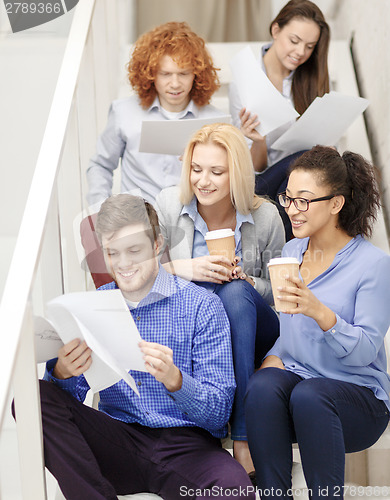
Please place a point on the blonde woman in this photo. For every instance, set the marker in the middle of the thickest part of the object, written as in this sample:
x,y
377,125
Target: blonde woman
x,y
217,192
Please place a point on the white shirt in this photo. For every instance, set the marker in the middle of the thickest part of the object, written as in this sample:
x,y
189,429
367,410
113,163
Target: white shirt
x,y
235,107
143,174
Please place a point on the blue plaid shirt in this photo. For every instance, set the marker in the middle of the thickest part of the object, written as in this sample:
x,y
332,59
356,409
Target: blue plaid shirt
x,y
193,323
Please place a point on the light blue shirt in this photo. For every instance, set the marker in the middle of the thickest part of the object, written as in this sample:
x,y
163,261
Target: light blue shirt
x,y
194,324
142,174
356,288
199,248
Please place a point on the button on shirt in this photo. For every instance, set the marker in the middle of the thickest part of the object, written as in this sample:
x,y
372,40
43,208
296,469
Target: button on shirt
x,y
193,323
356,288
142,174
199,248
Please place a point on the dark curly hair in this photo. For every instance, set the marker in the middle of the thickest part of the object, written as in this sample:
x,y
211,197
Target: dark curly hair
x,y
351,176
186,48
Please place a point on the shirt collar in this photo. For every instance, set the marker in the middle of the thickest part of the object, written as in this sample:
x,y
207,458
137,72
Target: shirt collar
x,y
241,218
192,210
191,109
163,286
264,49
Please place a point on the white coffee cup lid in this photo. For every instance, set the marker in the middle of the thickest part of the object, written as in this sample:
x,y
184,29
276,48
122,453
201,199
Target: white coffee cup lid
x,y
283,260
218,233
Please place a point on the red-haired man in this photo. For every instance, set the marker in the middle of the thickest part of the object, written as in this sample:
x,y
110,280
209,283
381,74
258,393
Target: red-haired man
x,y
173,77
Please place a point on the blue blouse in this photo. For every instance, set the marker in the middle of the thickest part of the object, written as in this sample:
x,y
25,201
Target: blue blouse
x,y
356,288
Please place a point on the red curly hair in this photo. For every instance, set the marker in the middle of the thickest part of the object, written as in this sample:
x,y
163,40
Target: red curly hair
x,y
187,50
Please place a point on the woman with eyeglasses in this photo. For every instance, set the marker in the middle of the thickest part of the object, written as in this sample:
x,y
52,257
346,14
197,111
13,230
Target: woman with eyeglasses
x,y
324,384
217,192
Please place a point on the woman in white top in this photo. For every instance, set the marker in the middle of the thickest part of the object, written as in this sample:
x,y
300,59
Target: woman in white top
x,y
296,64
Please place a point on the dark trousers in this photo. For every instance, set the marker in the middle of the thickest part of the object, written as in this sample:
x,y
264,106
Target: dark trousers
x,y
326,417
274,181
94,456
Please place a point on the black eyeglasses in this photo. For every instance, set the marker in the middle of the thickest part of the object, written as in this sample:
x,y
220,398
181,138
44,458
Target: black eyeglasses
x,y
301,204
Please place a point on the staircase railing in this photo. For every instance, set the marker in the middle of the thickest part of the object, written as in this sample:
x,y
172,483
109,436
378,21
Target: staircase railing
x,y
45,262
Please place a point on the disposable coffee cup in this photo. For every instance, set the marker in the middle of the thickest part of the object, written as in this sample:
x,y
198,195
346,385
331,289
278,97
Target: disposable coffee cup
x,y
222,242
279,268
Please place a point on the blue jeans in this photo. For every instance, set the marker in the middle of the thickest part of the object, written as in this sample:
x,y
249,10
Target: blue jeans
x,y
274,181
254,329
326,417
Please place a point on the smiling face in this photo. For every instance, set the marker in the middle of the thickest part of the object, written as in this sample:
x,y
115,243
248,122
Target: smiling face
x,y
173,84
295,42
131,259
209,178
321,216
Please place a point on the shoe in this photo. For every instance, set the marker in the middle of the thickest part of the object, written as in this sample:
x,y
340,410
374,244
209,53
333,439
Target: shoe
x,y
252,477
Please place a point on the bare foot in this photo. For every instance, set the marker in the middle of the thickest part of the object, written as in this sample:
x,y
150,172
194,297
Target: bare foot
x,y
242,455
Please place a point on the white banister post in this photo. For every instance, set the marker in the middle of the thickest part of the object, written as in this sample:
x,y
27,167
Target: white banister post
x,y
28,414
100,49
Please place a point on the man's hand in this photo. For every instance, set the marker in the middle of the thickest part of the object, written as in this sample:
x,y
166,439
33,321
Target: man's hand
x,y
159,363
74,358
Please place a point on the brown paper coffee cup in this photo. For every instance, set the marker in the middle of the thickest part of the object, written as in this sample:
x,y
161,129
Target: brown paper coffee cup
x,y
278,269
222,242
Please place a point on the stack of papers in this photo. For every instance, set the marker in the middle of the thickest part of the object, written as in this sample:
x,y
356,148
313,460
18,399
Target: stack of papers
x,y
324,121
103,320
170,137
258,95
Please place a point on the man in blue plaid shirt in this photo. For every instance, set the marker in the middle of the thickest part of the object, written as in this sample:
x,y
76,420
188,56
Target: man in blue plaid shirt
x,y
167,440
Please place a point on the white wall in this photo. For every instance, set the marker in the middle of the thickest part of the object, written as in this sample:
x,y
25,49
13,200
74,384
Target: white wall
x,y
29,68
369,22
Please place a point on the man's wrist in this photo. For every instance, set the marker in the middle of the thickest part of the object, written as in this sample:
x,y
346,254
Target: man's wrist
x,y
177,383
57,373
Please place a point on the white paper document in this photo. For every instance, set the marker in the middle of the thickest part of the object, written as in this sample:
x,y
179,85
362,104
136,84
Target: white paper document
x,y
47,340
170,137
103,320
257,93
324,122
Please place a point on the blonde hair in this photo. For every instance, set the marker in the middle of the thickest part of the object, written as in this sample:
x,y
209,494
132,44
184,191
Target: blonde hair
x,y
241,173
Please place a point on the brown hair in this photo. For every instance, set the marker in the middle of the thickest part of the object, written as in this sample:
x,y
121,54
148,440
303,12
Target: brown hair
x,y
123,210
186,48
351,176
311,79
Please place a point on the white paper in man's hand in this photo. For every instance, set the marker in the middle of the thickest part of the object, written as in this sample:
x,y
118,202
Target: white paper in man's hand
x,y
103,320
170,137
47,340
324,122
257,93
